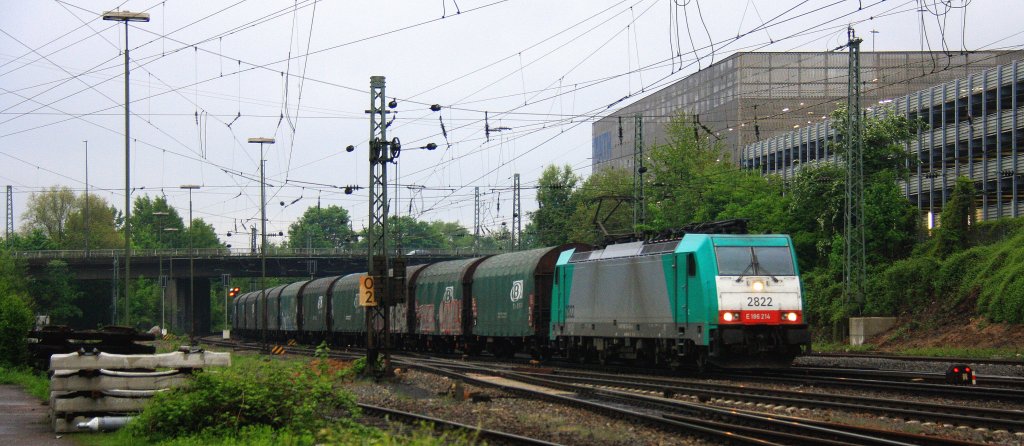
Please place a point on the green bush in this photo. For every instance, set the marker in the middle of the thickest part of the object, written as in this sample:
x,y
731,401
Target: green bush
x,y
287,396
952,280
905,284
15,322
994,231
999,282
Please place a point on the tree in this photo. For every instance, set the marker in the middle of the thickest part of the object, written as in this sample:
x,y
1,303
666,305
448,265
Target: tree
x,y
415,234
691,180
49,210
318,227
550,223
202,235
149,224
817,209
599,202
55,293
956,219
15,310
103,224
31,240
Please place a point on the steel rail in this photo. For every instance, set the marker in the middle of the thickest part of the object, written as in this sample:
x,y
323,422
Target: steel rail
x,y
972,416
492,436
1018,361
946,390
761,427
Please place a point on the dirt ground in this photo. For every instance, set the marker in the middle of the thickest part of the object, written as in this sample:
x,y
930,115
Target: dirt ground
x,y
950,328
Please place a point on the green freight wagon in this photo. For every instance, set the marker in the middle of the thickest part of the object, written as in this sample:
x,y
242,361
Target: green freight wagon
x,y
511,306
347,318
441,290
315,304
290,307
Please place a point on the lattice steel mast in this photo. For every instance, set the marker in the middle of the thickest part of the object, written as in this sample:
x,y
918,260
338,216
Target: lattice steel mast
x,y
517,215
388,276
10,213
854,268
639,209
476,218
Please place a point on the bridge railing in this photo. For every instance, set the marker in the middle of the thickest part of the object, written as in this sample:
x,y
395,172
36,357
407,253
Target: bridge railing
x,y
237,252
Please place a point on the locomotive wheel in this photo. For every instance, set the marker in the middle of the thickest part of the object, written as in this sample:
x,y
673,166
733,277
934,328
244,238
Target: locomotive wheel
x,y
701,361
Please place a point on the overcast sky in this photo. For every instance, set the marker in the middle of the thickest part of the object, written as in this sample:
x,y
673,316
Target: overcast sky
x,y
543,69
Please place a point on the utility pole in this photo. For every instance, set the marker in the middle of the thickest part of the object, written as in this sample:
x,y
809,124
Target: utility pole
x,y
113,294
854,270
252,244
639,209
126,17
476,218
517,215
87,199
263,231
382,152
10,213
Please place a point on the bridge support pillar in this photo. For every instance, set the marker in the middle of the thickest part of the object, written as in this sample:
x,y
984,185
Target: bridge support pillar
x,y
182,310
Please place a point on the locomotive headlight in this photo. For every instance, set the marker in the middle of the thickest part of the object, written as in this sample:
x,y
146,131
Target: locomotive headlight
x,y
757,286
727,317
791,316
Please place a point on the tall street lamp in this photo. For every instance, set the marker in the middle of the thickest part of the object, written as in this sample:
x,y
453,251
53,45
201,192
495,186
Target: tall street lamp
x,y
163,288
160,262
125,16
263,229
191,266
86,198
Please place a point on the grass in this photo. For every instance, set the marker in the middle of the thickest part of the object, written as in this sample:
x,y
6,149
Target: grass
x,y
966,352
937,352
838,347
34,382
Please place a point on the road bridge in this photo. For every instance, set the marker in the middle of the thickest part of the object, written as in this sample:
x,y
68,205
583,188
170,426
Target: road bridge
x,y
211,264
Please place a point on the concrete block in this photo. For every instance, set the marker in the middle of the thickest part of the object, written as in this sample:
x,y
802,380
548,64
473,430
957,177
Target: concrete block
x,y
75,361
862,328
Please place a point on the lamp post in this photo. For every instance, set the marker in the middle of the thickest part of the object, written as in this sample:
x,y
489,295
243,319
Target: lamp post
x,y
86,198
191,266
163,288
160,262
263,230
125,16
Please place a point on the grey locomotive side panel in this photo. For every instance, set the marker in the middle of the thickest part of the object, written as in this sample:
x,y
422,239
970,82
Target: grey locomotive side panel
x,y
623,296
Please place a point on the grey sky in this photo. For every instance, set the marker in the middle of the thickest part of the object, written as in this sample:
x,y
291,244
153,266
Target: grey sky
x,y
565,60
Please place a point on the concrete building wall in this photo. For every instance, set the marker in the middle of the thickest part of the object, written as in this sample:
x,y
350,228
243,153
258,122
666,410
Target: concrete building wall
x,y
754,96
974,128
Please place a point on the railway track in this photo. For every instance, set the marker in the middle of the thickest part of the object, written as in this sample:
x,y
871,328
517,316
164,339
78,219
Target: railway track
x,y
491,436
654,401
1010,382
827,379
1018,361
1010,420
722,424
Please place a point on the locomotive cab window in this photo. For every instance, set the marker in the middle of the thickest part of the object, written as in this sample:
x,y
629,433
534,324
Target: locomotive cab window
x,y
691,265
754,261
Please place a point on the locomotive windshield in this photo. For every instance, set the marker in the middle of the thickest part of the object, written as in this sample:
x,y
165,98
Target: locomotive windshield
x,y
754,261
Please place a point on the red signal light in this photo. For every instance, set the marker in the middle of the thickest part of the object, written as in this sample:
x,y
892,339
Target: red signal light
x,y
233,292
956,369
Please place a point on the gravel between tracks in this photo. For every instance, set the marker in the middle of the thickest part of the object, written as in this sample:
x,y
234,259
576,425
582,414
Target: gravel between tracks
x,y
429,394
915,366
868,419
